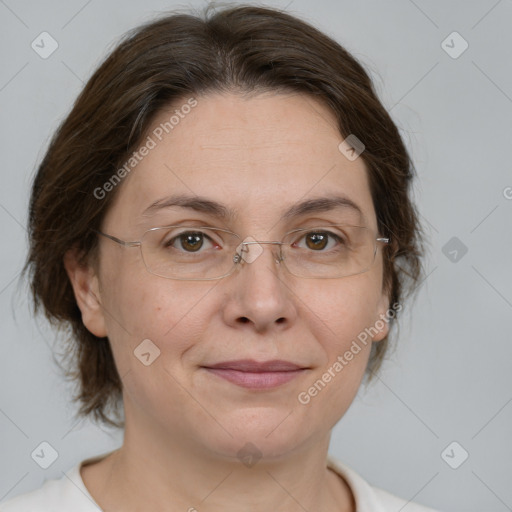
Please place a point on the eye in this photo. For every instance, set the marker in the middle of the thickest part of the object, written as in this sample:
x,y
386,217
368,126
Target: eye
x,y
319,240
189,241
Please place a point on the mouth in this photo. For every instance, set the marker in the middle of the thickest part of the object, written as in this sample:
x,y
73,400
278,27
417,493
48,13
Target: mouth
x,y
256,375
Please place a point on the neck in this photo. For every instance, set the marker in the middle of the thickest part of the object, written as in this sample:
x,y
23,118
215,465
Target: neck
x,y
152,470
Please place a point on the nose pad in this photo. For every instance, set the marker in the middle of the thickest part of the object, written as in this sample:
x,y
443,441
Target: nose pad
x,y
276,252
278,258
249,250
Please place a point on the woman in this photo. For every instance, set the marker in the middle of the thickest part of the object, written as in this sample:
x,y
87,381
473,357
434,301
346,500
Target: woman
x,y
224,221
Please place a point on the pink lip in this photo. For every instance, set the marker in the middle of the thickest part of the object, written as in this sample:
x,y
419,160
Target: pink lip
x,y
252,374
249,365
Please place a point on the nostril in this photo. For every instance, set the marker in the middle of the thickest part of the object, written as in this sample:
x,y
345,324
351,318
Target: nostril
x,y
280,320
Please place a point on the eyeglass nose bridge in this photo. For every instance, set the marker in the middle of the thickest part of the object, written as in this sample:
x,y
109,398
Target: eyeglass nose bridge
x,y
238,258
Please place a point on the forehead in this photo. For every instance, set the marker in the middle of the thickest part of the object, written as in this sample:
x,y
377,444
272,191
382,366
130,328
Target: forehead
x,y
257,155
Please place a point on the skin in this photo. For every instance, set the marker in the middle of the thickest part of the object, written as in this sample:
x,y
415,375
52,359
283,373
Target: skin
x,y
259,155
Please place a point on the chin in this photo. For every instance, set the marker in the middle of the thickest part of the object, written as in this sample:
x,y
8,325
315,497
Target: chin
x,y
259,433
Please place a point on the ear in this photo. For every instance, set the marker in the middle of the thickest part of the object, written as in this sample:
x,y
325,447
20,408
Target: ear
x,y
382,320
85,283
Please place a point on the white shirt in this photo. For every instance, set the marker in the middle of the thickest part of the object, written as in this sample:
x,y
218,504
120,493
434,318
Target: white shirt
x,y
69,494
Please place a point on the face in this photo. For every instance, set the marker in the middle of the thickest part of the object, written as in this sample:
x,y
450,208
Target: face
x,y
258,157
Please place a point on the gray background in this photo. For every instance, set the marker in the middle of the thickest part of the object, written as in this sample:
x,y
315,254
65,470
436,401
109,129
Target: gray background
x,y
449,379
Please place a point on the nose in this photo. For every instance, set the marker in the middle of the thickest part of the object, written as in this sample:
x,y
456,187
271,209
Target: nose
x,y
258,297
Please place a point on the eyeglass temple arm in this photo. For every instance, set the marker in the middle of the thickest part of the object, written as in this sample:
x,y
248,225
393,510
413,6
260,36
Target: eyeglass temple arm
x,y
118,240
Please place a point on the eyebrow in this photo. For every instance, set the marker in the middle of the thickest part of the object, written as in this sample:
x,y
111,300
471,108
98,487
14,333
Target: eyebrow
x,y
221,212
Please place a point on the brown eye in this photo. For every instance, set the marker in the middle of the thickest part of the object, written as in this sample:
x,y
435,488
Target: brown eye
x,y
188,241
317,241
191,242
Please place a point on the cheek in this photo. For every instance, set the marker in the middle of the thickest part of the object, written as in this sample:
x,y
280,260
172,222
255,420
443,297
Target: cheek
x,y
339,310
152,324
340,317
142,307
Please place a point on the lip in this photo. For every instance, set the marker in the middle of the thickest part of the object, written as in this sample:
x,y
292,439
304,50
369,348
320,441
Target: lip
x,y
249,365
252,374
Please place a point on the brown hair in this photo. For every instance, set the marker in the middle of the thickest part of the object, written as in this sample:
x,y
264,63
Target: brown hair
x,y
239,48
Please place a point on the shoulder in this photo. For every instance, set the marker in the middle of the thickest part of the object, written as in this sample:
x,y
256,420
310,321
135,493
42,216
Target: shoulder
x,y
57,495
369,498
